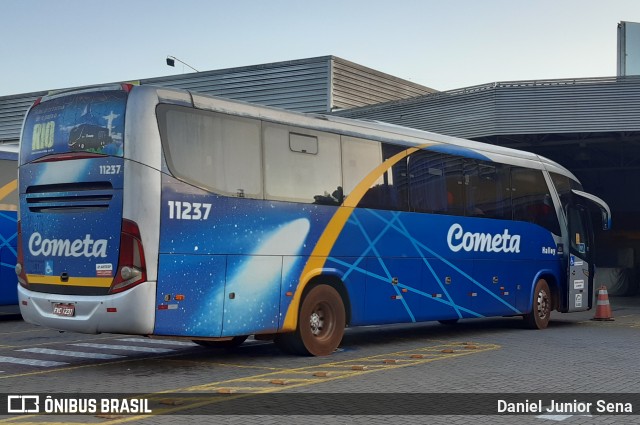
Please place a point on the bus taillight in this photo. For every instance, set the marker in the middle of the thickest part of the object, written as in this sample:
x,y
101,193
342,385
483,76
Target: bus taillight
x,y
20,272
132,269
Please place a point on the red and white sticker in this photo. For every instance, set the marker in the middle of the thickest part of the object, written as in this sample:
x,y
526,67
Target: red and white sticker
x,y
104,270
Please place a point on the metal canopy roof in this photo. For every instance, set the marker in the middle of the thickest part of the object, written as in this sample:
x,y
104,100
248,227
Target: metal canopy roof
x,y
583,105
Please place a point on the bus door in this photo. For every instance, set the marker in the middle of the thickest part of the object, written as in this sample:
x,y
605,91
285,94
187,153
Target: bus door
x,y
581,269
580,279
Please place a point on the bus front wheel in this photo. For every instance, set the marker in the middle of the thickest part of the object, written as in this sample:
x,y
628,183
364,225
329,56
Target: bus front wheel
x,y
540,313
320,324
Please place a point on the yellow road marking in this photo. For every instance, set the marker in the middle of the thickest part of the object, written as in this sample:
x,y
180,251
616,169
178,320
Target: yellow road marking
x,y
239,366
339,370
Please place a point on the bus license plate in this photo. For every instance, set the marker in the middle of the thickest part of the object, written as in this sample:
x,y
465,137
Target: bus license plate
x,y
66,310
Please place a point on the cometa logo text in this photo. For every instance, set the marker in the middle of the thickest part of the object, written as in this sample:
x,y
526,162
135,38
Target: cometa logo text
x,y
86,247
458,239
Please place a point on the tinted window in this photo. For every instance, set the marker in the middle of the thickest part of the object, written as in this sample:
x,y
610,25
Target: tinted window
x,y
578,231
487,192
436,183
564,185
359,158
90,122
531,199
390,192
302,165
215,151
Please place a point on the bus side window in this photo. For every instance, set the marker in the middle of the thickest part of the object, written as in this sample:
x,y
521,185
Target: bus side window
x,y
453,166
436,183
428,192
301,165
204,148
577,232
359,158
486,190
563,186
531,199
390,192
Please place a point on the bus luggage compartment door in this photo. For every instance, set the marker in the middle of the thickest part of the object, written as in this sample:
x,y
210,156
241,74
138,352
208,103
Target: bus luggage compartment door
x,y
252,294
190,295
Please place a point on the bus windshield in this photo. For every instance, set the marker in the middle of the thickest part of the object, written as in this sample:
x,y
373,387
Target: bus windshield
x,y
81,122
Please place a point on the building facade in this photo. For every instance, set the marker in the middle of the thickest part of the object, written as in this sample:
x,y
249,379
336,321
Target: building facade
x,y
319,85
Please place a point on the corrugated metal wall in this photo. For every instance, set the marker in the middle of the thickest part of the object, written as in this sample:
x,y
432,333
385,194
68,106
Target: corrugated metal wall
x,y
520,107
325,83
12,110
569,106
354,85
301,85
308,85
317,84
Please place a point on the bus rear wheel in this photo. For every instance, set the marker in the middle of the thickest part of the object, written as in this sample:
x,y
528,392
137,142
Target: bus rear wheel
x,y
321,324
540,313
230,343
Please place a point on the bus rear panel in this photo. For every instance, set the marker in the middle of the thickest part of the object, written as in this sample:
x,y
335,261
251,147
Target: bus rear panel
x,y
78,255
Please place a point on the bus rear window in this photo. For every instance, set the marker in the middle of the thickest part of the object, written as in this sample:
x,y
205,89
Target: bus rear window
x,y
80,122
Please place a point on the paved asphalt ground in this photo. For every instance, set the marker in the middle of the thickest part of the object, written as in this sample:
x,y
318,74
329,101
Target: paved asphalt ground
x,y
386,375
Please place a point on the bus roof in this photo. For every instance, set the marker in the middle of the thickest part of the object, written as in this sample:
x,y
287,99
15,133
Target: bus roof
x,y
376,130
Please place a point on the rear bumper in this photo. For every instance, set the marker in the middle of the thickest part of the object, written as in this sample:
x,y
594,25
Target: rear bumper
x,y
134,311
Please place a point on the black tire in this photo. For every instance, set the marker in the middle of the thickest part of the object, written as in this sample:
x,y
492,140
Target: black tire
x,y
230,343
321,324
540,313
449,321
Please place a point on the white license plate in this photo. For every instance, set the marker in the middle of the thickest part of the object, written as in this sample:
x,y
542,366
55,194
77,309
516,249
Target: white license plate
x,y
65,310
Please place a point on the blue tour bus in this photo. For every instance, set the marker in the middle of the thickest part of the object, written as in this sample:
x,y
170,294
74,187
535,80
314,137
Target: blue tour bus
x,y
184,215
8,226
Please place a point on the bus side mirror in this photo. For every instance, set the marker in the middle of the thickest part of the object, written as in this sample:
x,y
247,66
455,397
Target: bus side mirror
x,y
602,205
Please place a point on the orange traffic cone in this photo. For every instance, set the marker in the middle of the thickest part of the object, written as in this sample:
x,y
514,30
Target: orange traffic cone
x,y
603,308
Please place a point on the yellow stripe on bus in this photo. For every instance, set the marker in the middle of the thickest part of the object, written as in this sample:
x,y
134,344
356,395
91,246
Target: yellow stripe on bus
x,y
8,188
329,236
96,282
